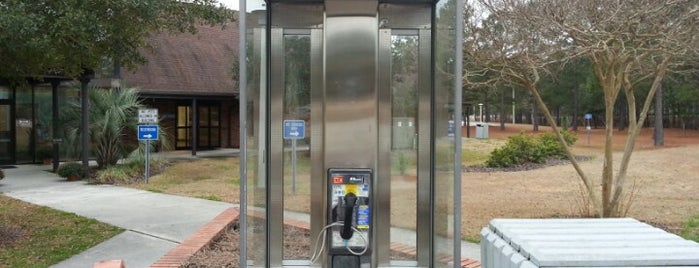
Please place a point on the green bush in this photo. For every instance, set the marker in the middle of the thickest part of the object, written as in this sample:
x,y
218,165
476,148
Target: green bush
x,y
71,170
525,148
118,174
132,172
552,147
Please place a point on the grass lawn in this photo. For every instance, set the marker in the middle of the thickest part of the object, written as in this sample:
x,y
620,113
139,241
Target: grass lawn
x,y
539,193
690,229
210,178
35,236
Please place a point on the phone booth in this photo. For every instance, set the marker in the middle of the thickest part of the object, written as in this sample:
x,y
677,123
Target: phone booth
x,y
347,154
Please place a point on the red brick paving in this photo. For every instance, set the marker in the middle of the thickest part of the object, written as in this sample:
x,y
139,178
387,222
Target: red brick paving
x,y
197,241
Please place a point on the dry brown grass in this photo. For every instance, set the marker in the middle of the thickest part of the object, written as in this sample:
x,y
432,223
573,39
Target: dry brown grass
x,y
666,182
209,178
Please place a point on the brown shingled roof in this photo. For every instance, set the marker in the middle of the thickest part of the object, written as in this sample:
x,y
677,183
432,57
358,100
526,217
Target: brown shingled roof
x,y
189,64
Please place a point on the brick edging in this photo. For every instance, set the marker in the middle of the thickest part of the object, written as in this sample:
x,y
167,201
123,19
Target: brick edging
x,y
395,246
200,239
183,252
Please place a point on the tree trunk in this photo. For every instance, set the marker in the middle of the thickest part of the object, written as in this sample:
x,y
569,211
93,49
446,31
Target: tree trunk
x,y
634,129
607,169
535,117
591,194
502,112
622,116
658,132
574,122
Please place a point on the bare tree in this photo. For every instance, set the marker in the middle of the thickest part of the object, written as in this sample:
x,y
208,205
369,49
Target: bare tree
x,y
627,42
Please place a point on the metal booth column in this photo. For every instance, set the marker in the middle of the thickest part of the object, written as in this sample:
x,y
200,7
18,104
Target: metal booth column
x,y
348,112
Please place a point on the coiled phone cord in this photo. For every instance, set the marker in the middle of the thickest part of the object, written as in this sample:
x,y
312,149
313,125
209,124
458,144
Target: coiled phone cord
x,y
316,254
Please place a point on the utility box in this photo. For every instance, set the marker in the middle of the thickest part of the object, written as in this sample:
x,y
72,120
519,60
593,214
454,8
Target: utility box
x,y
481,130
403,133
614,242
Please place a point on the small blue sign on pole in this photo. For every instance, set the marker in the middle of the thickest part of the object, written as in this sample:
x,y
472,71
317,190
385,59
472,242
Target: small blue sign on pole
x,y
588,116
294,129
148,132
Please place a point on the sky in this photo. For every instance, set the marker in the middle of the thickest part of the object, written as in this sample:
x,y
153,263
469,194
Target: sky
x,y
233,4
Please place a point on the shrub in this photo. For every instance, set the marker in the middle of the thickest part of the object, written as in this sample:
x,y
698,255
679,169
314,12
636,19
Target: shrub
x,y
118,174
71,170
2,174
552,147
402,163
128,173
524,148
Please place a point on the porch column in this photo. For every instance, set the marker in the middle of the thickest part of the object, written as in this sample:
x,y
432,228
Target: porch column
x,y
54,123
85,124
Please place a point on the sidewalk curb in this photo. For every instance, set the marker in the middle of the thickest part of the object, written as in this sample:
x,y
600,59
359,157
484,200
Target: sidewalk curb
x,y
200,239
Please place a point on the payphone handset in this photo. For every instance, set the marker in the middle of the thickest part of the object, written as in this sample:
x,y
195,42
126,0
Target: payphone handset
x,y
349,205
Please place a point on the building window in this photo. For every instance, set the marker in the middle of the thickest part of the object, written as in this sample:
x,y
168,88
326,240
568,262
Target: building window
x,y
208,124
184,127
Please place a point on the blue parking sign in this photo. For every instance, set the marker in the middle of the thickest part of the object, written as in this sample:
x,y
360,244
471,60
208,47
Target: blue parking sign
x,y
147,132
294,129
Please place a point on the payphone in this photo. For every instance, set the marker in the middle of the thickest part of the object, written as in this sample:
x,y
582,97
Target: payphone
x,y
349,197
349,217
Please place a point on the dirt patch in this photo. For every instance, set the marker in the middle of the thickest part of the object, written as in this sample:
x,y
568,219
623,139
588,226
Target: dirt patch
x,y
9,235
224,251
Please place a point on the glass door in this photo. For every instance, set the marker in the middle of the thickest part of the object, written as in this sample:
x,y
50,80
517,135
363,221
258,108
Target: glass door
x,y
184,127
295,159
6,133
405,88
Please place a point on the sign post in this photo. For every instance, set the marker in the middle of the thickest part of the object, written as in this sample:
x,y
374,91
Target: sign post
x,y
294,130
147,131
587,119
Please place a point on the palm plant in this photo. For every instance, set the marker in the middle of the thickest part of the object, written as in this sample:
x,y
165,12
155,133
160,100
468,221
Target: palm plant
x,y
112,117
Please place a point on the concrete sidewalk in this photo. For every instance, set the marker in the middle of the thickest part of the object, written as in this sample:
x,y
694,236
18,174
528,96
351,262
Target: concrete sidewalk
x,y
154,223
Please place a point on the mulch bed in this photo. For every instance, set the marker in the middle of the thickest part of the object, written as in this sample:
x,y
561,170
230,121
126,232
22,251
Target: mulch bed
x,y
523,167
224,251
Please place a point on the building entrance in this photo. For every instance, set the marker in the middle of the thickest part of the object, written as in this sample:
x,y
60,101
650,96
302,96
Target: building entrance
x,y
6,133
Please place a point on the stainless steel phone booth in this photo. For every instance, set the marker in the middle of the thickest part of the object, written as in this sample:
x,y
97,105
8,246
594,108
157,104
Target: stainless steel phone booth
x,y
349,147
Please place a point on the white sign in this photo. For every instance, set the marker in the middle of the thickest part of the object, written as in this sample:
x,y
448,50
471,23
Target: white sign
x,y
147,116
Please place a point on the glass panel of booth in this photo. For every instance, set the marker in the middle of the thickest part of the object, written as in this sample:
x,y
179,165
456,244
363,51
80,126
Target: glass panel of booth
x,y
297,164
255,181
295,42
404,158
444,85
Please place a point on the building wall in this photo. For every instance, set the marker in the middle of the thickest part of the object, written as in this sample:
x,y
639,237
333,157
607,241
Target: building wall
x,y
231,125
